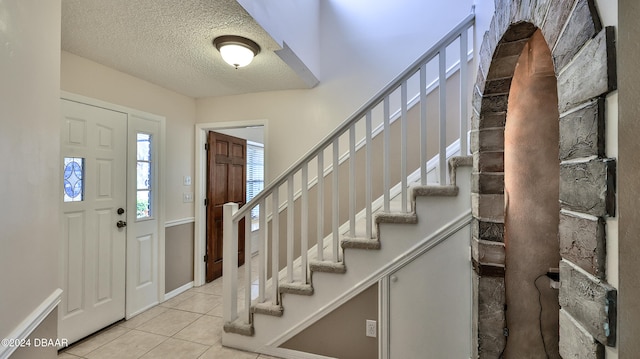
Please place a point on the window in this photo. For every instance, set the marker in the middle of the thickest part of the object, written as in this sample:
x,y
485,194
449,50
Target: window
x,y
73,179
143,174
255,176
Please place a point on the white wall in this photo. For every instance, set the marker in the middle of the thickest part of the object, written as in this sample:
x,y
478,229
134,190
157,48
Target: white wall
x,y
30,184
364,46
293,22
87,78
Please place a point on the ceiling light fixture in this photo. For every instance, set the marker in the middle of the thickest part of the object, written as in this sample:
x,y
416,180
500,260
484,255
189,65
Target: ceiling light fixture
x,y
237,51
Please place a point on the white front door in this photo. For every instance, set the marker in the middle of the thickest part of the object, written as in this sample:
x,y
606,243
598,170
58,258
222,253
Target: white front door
x,y
93,242
143,236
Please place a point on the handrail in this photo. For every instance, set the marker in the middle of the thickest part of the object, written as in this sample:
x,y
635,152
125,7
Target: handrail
x,y
375,100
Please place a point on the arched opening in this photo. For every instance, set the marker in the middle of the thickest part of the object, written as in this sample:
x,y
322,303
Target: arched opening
x,y
531,186
505,300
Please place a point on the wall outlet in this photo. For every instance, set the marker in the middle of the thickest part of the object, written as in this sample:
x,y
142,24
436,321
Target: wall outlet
x,y
187,197
372,330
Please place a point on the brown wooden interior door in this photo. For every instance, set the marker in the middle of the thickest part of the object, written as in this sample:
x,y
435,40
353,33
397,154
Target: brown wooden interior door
x,y
226,182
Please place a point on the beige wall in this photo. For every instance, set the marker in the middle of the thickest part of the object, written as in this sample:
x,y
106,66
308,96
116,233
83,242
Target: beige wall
x,y
178,256
87,78
341,334
48,329
297,120
531,184
30,184
628,183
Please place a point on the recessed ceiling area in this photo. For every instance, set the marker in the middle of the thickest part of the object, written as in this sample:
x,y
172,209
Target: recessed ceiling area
x,y
169,43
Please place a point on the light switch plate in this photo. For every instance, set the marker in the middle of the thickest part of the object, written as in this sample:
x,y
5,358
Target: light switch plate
x,y
187,180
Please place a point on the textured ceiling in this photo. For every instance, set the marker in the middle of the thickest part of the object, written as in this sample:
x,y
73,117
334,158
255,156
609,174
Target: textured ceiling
x,y
168,42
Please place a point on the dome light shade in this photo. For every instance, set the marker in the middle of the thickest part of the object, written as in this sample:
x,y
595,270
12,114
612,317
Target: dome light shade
x,y
237,51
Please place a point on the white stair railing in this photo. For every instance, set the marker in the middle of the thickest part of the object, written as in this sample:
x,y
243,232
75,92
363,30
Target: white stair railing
x,y
360,188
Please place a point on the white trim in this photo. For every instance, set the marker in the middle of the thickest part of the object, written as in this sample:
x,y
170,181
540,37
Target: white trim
x,y
403,259
162,170
178,291
200,183
32,321
291,354
384,291
177,222
109,106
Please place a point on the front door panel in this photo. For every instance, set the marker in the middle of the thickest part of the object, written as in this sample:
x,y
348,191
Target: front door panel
x,y
92,250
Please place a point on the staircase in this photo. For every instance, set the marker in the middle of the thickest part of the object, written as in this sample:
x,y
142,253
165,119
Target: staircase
x,y
347,228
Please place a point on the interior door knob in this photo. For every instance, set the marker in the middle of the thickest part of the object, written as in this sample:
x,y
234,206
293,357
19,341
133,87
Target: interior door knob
x,y
121,224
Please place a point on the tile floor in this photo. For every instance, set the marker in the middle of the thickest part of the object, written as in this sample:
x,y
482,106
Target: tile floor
x,y
186,326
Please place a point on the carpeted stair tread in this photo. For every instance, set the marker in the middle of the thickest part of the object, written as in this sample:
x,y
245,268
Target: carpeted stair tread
x,y
298,288
430,190
458,161
238,326
400,218
268,308
360,243
327,267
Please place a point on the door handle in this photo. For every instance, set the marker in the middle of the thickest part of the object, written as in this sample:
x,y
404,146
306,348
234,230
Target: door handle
x,y
121,224
120,211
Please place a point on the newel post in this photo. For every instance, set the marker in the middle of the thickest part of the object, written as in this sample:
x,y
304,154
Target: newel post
x,y
230,263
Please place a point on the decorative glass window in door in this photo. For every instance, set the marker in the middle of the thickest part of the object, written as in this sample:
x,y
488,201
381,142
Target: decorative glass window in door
x,y
73,179
143,174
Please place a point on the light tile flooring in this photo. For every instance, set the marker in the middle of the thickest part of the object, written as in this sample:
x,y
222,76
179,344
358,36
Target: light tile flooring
x,y
186,326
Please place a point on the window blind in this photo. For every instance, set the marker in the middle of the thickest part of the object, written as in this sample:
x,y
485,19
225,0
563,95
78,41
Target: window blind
x,y
255,173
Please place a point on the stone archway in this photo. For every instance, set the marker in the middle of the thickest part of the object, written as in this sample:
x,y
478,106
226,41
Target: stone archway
x,y
584,63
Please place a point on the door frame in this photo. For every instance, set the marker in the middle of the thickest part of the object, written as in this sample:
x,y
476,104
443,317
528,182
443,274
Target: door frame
x,y
160,268
200,183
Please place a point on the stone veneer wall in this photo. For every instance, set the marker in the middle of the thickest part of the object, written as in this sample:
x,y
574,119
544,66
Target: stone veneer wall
x,y
584,61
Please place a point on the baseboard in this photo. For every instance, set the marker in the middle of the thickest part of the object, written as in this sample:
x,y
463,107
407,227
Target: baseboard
x,y
291,354
31,322
178,291
178,222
